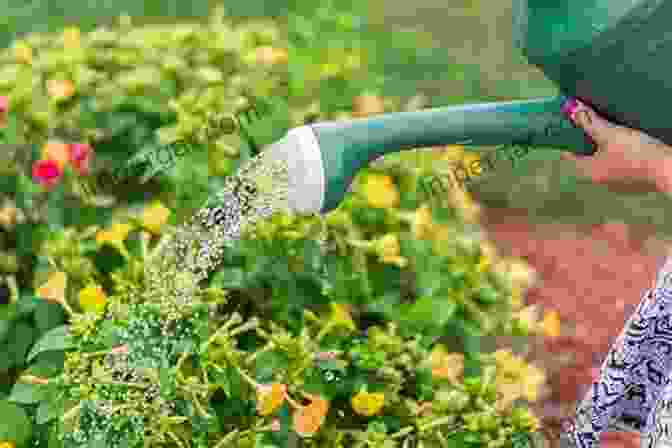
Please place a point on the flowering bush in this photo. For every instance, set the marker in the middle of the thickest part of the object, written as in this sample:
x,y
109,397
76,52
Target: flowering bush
x,y
358,328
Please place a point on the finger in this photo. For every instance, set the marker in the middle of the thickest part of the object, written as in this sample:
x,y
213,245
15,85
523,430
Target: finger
x,y
597,128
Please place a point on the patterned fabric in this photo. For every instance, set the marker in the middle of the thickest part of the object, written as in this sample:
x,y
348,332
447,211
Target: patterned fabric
x,y
634,391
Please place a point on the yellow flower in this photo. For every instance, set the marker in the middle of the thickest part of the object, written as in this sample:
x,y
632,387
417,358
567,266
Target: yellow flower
x,y
450,153
71,37
516,299
422,222
365,105
115,236
388,249
463,201
443,232
488,255
308,419
516,379
9,215
23,53
380,191
59,152
7,445
270,398
532,382
446,365
474,169
270,55
92,299
60,89
53,289
551,324
367,404
154,217
520,272
340,316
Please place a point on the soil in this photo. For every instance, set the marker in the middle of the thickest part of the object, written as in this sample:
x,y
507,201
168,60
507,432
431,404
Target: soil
x,y
594,277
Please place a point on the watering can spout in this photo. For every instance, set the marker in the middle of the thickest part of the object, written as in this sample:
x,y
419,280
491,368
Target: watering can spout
x,y
611,54
323,158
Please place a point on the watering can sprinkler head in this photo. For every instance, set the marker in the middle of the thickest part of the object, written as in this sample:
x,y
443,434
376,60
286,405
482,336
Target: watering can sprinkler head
x,y
610,54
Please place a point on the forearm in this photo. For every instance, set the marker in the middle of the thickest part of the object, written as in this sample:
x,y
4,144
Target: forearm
x,y
634,374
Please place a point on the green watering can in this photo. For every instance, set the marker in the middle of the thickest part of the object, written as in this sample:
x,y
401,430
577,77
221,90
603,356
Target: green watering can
x,y
610,54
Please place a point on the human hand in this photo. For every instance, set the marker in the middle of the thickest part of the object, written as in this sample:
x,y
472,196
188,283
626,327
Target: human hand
x,y
626,160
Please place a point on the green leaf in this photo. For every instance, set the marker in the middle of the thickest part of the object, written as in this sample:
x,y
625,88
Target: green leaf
x,y
48,315
431,310
229,278
50,408
55,339
23,393
18,343
15,426
48,364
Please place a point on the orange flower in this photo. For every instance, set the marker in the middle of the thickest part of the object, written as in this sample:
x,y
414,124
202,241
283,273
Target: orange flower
x,y
308,419
60,89
53,289
551,324
446,365
270,398
58,152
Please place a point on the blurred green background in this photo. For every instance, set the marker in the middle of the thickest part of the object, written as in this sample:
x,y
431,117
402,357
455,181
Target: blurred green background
x,y
467,57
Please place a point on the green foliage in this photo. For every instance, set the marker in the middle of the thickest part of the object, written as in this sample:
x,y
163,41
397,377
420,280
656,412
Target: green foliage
x,y
339,308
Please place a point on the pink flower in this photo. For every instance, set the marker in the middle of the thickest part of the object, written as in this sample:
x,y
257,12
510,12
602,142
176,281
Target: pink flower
x,y
46,172
80,157
275,426
4,107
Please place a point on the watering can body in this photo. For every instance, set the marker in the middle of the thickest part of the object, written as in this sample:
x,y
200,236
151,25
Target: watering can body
x,y
611,54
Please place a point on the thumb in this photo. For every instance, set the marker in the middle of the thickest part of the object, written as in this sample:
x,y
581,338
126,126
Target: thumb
x,y
595,126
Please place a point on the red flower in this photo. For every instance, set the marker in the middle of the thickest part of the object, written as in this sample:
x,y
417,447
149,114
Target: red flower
x,y
47,172
80,156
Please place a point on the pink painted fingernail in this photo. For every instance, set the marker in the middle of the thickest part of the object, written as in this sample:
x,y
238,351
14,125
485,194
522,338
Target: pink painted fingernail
x,y
569,108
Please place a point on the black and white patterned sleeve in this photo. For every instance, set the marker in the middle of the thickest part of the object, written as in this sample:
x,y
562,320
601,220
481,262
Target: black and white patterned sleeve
x,y
634,374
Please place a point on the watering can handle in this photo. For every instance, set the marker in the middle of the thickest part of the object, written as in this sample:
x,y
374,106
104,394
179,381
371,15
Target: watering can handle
x,y
347,146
